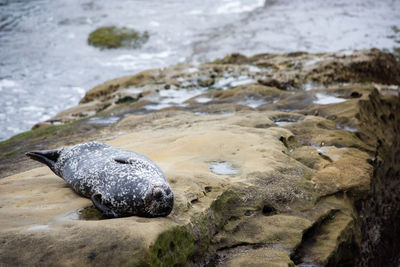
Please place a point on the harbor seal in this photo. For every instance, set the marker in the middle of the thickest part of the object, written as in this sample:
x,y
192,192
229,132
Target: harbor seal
x,y
119,182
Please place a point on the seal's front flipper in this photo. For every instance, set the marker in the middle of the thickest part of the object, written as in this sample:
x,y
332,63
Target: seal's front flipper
x,y
98,203
48,157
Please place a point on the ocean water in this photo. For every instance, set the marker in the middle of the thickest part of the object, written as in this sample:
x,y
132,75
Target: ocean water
x,y
47,66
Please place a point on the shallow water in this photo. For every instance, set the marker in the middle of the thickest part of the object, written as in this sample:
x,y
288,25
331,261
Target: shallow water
x,y
321,149
38,227
252,102
46,65
104,120
222,168
284,123
229,81
324,99
171,97
203,99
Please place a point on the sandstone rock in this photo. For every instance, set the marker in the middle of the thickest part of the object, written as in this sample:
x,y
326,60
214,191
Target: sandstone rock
x,y
267,193
105,89
262,257
235,58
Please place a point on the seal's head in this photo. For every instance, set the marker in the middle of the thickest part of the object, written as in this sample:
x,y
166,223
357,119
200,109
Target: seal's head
x,y
159,200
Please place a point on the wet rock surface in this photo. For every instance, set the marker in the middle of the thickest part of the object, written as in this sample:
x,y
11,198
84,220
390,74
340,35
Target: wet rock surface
x,y
269,157
113,37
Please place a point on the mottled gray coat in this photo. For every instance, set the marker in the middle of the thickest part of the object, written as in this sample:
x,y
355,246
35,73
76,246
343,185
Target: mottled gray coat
x,y
119,182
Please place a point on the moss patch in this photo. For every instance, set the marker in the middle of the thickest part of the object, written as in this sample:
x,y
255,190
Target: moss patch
x,y
203,230
226,207
90,213
113,37
172,248
34,134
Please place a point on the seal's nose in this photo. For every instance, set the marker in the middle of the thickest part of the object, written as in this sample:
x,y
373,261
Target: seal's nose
x,y
159,201
158,193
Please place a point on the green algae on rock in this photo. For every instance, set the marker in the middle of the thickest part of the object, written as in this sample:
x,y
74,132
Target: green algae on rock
x,y
172,248
114,37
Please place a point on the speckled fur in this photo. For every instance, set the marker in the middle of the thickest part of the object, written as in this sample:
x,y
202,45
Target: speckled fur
x,y
122,182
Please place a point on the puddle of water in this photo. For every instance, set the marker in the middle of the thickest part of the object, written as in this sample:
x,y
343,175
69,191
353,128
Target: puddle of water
x,y
285,121
70,216
311,86
223,83
132,90
321,149
242,82
312,62
393,87
350,129
252,68
324,99
203,99
253,103
157,106
38,227
104,120
307,265
229,82
222,167
192,70
172,97
347,128
177,96
90,214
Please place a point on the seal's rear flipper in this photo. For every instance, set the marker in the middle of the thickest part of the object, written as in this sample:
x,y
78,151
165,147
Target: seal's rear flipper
x,y
48,157
98,203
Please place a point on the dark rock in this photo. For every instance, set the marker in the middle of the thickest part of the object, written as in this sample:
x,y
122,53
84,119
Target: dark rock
x,y
380,211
